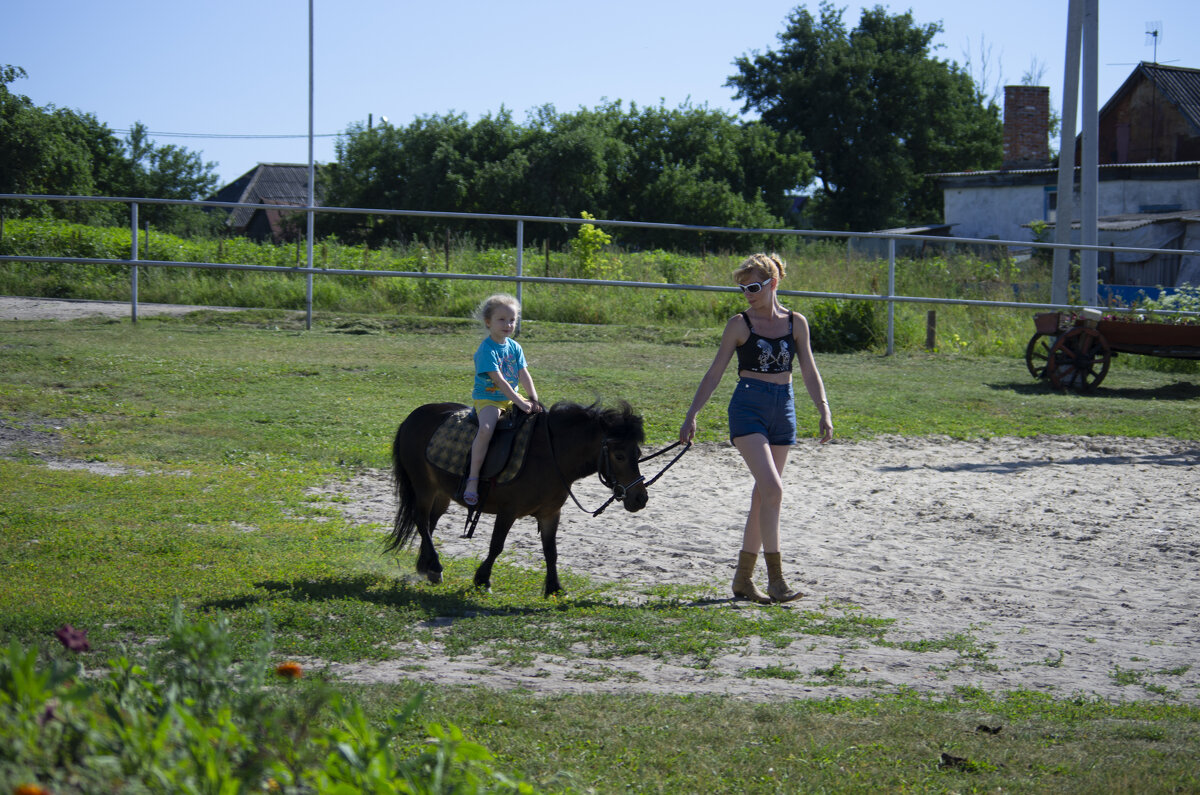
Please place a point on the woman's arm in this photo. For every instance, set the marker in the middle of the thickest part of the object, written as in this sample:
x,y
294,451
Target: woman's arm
x,y
812,377
712,378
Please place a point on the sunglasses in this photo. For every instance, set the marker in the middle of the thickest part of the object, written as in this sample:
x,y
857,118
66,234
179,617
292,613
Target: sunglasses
x,y
754,287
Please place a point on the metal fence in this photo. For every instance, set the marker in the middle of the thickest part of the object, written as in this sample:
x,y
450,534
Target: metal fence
x,y
890,297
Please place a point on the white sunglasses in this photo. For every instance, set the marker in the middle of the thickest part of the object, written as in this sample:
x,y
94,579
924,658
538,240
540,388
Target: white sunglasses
x,y
754,287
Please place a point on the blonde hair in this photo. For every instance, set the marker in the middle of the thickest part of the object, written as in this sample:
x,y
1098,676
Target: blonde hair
x,y
771,266
484,312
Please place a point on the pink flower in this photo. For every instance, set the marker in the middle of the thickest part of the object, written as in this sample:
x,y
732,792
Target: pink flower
x,y
73,639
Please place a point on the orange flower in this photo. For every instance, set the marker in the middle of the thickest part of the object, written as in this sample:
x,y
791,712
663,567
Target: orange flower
x,y
289,670
31,789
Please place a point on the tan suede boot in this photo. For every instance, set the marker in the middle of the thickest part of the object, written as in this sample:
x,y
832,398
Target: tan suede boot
x,y
743,582
777,587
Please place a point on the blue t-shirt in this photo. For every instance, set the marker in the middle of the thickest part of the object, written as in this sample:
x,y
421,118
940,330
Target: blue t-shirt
x,y
507,359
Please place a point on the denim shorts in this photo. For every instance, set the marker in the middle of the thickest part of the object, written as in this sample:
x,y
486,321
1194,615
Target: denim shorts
x,y
762,407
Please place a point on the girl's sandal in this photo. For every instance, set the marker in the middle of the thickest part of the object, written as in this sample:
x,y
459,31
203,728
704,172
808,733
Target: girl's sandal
x,y
471,497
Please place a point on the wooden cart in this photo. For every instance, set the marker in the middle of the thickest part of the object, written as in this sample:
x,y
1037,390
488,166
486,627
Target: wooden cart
x,y
1073,351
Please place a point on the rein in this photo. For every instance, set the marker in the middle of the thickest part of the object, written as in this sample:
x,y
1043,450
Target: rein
x,y
604,473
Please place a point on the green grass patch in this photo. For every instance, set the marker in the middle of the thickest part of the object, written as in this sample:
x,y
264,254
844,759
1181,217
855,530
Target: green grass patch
x,y
211,429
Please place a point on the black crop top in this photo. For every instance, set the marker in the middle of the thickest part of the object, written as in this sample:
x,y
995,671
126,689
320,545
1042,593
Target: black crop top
x,y
760,354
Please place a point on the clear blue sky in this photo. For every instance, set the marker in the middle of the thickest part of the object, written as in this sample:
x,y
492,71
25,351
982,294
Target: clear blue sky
x,y
221,67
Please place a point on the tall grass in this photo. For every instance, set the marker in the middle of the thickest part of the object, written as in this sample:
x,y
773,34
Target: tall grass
x,y
814,265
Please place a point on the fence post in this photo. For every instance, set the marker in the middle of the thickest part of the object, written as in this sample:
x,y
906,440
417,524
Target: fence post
x,y
891,310
520,266
133,257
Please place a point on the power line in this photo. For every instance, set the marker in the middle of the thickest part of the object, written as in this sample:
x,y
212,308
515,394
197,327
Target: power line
x,y
221,135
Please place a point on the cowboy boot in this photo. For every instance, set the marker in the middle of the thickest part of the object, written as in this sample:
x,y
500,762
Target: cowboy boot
x,y
743,584
777,587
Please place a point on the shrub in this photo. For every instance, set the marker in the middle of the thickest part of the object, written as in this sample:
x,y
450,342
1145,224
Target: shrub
x,y
192,719
837,326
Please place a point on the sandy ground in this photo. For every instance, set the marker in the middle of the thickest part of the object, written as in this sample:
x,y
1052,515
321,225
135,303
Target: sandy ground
x,y
16,308
1069,563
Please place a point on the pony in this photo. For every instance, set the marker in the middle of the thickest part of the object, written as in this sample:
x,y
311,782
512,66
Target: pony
x,y
570,442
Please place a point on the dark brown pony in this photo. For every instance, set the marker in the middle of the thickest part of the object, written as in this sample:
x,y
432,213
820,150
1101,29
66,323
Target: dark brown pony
x,y
571,442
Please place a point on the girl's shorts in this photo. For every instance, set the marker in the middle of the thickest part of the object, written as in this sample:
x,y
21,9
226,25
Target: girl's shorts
x,y
762,407
502,405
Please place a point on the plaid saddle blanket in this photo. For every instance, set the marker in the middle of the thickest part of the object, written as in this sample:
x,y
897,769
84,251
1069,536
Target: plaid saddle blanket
x,y
450,446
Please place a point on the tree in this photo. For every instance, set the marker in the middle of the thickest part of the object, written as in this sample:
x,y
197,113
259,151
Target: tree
x,y
878,112
59,151
684,165
162,172
41,149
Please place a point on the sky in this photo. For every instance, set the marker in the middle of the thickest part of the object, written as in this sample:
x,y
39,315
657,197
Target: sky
x,y
228,78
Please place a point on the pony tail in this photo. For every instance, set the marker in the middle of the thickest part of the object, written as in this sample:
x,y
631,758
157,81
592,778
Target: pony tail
x,y
405,525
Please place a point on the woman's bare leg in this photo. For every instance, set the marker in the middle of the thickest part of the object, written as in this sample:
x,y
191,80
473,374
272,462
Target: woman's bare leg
x,y
765,462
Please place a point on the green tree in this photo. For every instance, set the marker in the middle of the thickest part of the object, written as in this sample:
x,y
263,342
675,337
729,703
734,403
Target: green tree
x,y
143,169
42,150
685,165
878,111
59,151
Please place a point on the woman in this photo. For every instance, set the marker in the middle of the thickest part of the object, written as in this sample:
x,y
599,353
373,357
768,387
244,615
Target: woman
x,y
762,415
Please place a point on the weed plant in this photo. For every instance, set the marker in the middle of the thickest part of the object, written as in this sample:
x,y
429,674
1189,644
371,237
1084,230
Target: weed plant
x,y
191,715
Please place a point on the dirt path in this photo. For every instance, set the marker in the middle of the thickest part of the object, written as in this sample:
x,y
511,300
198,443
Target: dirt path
x,y
1067,564
17,308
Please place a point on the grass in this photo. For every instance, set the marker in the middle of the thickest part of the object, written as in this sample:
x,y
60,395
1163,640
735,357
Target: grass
x,y
219,424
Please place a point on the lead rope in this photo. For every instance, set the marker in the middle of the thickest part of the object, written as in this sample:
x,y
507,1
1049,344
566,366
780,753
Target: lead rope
x,y
618,491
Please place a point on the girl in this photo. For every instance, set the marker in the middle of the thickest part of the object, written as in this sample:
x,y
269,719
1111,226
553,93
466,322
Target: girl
x,y
762,414
499,370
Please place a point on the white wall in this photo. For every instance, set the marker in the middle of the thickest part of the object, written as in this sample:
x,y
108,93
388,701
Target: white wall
x,y
995,212
998,211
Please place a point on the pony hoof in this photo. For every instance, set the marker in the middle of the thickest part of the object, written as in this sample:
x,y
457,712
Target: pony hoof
x,y
434,577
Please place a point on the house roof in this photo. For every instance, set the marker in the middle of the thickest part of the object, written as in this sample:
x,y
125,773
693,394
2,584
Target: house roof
x,y
1179,85
1106,171
266,183
1128,221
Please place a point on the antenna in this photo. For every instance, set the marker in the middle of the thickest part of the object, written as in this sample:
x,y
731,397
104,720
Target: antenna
x,y
1153,32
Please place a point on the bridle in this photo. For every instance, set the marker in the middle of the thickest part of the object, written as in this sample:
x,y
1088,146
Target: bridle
x,y
608,480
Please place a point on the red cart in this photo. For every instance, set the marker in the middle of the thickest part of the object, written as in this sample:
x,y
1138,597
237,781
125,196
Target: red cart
x,y
1073,351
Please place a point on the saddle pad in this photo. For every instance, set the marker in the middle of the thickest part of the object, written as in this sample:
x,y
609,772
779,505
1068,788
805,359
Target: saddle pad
x,y
450,446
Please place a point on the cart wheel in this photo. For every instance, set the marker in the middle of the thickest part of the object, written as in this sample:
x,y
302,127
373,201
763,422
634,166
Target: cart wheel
x,y
1037,353
1078,360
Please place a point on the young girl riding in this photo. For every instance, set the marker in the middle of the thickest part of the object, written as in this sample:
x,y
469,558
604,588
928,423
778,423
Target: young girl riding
x,y
499,370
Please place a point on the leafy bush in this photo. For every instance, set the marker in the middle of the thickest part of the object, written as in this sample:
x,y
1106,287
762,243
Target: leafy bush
x,y
586,247
837,326
194,719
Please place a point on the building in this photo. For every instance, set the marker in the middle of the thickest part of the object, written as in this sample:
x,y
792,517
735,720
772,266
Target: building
x,y
267,183
1149,175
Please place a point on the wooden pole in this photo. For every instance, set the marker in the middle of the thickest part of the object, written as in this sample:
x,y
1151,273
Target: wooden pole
x,y
931,330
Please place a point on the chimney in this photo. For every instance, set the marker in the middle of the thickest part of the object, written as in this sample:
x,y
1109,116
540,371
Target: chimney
x,y
1026,126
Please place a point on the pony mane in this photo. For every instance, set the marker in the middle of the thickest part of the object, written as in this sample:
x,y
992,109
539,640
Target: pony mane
x,y
619,421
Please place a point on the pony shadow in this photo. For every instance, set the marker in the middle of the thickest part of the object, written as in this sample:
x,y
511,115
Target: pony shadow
x,y
385,592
